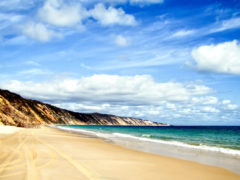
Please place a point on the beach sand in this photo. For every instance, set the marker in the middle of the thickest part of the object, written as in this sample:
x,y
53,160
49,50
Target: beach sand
x,y
47,153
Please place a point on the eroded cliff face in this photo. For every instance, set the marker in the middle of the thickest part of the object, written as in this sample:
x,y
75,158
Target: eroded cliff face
x,y
18,111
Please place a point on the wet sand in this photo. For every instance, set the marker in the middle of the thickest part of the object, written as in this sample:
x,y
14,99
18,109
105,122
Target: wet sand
x,y
47,153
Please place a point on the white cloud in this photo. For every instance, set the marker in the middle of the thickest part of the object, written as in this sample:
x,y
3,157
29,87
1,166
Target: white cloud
x,y
121,40
57,13
218,26
220,58
135,90
32,63
146,1
136,96
8,20
34,71
16,4
182,33
171,106
232,106
11,17
38,31
132,2
205,100
210,109
226,102
228,24
111,16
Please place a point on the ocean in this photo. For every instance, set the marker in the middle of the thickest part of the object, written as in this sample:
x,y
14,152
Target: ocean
x,y
213,145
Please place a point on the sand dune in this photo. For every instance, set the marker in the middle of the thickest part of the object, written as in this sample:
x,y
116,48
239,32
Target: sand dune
x,y
46,153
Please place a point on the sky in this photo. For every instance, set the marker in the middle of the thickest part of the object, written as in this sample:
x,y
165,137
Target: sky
x,y
170,61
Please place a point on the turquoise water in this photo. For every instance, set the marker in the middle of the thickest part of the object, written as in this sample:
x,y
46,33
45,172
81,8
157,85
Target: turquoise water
x,y
216,138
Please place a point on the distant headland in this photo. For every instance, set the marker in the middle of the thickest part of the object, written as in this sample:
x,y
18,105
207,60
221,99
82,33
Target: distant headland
x,y
18,111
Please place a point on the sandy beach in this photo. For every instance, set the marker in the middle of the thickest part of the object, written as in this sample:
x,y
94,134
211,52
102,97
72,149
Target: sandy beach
x,y
47,153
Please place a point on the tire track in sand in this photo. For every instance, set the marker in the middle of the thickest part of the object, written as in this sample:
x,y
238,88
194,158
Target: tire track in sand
x,y
25,145
32,172
21,140
79,166
27,158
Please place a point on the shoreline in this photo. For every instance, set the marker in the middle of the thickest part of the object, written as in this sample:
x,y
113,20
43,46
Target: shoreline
x,y
223,150
46,152
203,155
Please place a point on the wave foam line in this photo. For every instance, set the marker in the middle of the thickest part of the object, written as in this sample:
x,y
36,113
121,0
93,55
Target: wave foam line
x,y
173,143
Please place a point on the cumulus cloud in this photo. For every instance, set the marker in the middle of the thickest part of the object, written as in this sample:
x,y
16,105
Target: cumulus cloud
x,y
210,109
110,16
135,96
205,100
136,90
220,58
121,40
226,102
232,106
61,16
38,31
57,13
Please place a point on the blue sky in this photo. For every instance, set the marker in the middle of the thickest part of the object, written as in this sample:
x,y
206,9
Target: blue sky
x,y
170,61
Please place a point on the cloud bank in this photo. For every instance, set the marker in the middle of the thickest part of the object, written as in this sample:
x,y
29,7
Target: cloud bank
x,y
137,96
135,90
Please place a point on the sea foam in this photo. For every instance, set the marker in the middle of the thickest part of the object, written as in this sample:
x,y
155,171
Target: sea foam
x,y
144,138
